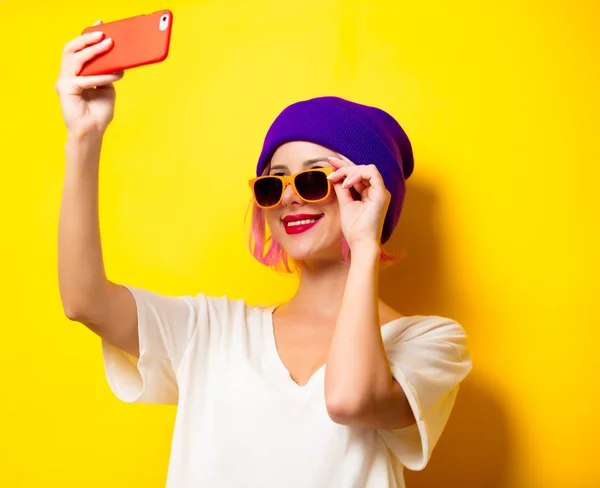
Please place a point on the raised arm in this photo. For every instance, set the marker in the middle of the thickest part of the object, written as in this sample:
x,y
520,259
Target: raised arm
x,y
359,387
87,295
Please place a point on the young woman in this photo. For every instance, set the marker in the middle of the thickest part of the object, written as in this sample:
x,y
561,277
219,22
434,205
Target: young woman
x,y
331,389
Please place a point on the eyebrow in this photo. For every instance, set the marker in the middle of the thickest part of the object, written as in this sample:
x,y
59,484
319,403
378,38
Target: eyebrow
x,y
305,164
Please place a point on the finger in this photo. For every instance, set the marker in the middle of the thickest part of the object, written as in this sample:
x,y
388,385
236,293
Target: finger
x,y
82,41
338,163
370,174
106,88
110,86
344,195
367,172
354,180
341,178
340,173
374,177
335,162
341,160
358,184
366,181
89,53
75,85
98,81
349,176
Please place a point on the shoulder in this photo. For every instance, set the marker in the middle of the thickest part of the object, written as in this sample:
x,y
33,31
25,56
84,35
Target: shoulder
x,y
200,307
226,324
233,310
423,328
406,327
427,339
387,314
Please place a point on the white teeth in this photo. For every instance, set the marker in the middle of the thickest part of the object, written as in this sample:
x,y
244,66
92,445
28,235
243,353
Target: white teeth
x,y
301,222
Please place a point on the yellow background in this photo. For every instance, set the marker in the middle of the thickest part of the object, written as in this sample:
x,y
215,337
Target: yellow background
x,y
500,228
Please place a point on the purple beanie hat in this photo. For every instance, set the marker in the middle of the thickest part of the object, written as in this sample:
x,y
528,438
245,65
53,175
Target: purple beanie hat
x,y
363,134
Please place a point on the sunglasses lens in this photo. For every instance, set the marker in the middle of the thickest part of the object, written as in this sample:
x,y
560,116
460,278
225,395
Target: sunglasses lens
x,y
267,191
312,185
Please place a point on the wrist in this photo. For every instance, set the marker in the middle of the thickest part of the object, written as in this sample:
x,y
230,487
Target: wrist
x,y
84,139
83,149
367,249
85,132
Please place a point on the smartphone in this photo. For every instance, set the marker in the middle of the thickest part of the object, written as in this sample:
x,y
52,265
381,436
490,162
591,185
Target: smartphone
x,y
137,41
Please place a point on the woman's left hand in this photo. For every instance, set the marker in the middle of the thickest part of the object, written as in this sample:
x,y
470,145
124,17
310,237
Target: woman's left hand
x,y
361,220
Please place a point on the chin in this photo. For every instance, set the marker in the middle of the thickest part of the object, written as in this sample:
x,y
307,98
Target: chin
x,y
321,241
306,249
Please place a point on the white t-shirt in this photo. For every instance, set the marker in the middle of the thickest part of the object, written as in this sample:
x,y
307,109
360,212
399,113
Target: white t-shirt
x,y
243,422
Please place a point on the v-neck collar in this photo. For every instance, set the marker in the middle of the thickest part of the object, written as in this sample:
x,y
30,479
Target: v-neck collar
x,y
280,370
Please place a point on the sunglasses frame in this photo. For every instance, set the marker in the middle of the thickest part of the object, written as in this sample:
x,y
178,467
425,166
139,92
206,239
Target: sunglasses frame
x,y
290,180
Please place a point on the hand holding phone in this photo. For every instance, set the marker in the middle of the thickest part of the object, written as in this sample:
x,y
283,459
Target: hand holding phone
x,y
136,41
87,102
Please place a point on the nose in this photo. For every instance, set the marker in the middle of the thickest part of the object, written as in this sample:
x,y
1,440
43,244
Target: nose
x,y
290,197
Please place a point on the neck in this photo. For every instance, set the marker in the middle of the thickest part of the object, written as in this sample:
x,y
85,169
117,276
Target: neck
x,y
321,286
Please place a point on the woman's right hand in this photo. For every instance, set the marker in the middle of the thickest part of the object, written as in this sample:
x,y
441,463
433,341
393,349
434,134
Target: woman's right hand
x,y
87,102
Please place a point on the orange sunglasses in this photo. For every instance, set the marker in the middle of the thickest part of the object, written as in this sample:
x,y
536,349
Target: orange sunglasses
x,y
310,185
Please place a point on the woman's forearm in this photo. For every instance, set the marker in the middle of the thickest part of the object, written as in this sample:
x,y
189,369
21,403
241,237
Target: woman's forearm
x,y
82,278
358,372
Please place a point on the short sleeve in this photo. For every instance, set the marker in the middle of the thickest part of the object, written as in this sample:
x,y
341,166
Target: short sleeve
x,y
166,326
429,357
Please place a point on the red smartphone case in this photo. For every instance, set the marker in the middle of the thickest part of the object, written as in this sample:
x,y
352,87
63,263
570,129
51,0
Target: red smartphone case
x,y
137,41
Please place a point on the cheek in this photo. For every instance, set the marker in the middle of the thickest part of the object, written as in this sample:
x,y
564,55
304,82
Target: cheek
x,y
331,208
272,217
331,205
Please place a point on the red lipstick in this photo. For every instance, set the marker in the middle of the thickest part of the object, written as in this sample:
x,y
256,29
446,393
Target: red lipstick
x,y
299,223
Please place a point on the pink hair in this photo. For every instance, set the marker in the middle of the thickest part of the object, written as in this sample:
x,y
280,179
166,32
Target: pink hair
x,y
262,246
269,252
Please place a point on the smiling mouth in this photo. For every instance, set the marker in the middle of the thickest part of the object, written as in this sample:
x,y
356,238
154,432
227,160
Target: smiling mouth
x,y
299,224
302,222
